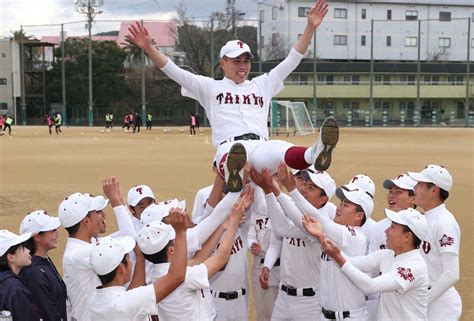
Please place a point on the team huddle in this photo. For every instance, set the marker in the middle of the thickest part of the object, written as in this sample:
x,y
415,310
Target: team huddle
x,y
312,259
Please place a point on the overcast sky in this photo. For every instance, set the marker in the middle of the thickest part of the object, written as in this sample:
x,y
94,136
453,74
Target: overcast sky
x,y
14,13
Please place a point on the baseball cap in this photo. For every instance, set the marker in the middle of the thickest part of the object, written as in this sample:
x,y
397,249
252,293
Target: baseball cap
x,y
357,196
435,174
235,48
39,221
154,236
157,212
298,171
321,179
363,182
402,181
76,206
411,218
9,239
137,193
108,253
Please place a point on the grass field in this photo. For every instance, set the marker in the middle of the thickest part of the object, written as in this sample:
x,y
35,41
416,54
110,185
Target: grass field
x,y
38,170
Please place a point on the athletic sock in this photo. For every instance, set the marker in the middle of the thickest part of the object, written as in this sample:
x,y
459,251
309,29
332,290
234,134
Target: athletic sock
x,y
295,157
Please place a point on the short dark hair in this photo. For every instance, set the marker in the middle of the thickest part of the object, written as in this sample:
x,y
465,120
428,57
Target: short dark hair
x,y
159,257
4,266
443,194
360,209
109,277
416,241
72,230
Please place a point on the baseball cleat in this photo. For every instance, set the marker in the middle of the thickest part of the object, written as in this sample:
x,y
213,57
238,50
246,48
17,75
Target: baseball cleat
x,y
233,168
327,140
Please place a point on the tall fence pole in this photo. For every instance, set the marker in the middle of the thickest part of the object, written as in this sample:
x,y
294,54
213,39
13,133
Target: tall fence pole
x,y
371,89
418,74
22,77
315,99
63,76
468,74
91,102
142,70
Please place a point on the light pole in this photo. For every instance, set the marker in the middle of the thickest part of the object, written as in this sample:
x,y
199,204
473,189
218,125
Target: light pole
x,y
89,8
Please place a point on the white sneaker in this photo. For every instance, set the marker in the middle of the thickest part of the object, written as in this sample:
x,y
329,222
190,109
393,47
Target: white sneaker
x,y
327,140
234,168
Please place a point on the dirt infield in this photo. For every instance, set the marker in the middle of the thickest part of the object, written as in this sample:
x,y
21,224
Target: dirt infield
x,y
38,170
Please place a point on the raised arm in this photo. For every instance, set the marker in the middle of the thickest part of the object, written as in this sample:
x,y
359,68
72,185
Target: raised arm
x,y
315,18
141,38
177,270
113,191
217,262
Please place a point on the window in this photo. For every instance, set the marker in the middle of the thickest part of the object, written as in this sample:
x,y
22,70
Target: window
x,y
3,106
262,15
340,13
363,14
303,11
326,79
351,79
455,80
4,55
472,43
444,42
275,39
340,40
389,14
431,80
384,105
362,40
407,79
382,79
274,12
444,16
3,81
411,15
262,41
388,41
411,41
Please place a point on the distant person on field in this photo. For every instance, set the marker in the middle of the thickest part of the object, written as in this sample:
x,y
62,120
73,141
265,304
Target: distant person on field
x,y
137,122
192,124
7,123
149,117
58,121
49,122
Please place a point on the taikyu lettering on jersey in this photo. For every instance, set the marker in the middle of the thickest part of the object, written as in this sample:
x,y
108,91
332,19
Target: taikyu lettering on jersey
x,y
351,229
261,223
426,247
230,98
446,240
406,274
296,241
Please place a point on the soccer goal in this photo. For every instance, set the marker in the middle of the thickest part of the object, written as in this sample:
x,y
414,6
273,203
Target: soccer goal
x,y
290,118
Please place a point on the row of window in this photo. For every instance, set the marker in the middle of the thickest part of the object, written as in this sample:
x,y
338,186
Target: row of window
x,y
3,106
341,13
410,41
380,80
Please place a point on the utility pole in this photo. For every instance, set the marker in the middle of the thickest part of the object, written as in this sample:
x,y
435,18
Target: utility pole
x,y
90,8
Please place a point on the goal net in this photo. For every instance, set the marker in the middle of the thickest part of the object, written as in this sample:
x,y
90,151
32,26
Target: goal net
x,y
290,118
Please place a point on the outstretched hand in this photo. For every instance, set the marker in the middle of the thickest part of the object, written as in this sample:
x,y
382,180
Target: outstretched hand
x,y
286,178
330,247
139,36
317,13
313,227
177,219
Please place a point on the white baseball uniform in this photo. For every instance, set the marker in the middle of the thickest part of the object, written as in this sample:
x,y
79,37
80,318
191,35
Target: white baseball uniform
x,y
403,282
116,303
187,301
235,109
229,286
199,207
445,238
338,294
377,237
298,296
264,299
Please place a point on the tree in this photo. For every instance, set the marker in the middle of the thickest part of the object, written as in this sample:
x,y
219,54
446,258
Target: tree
x,y
195,39
109,86
18,35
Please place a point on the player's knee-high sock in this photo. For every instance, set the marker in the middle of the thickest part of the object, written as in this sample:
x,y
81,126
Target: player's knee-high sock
x,y
295,157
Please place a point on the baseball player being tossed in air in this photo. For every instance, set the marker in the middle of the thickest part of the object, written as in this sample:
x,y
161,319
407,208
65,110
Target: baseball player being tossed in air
x,y
237,108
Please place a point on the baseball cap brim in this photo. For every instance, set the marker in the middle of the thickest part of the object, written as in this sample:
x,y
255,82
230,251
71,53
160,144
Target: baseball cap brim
x,y
15,241
54,223
419,177
98,203
389,183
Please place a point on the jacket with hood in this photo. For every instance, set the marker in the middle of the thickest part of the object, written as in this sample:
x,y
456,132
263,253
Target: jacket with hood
x,y
16,298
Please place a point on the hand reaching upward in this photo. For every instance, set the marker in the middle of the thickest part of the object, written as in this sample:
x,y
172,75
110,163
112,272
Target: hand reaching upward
x,y
317,13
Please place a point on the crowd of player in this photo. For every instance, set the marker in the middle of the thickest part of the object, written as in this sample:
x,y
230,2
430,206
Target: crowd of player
x,y
312,260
